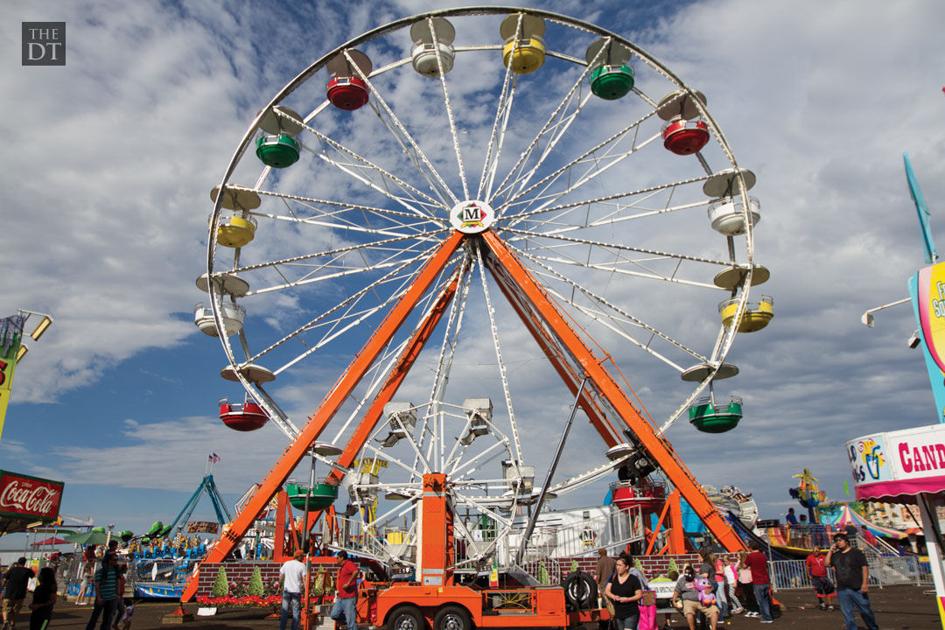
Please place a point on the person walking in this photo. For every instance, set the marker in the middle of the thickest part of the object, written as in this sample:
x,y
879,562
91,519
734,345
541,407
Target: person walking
x,y
15,581
625,591
293,574
88,575
346,597
817,570
760,581
605,570
853,578
744,590
44,598
730,571
106,593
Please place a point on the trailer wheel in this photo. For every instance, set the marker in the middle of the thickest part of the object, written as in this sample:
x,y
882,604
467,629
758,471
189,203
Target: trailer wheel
x,y
452,618
580,591
405,618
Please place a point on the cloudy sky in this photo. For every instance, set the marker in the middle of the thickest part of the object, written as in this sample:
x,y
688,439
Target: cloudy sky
x,y
105,200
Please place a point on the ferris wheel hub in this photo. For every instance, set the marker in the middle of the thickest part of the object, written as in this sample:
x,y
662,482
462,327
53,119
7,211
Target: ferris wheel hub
x,y
472,216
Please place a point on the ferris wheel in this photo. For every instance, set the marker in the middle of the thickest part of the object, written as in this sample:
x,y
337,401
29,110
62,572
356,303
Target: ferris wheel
x,y
423,188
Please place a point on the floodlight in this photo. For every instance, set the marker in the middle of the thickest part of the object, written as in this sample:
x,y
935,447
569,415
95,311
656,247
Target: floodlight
x,y
41,327
22,352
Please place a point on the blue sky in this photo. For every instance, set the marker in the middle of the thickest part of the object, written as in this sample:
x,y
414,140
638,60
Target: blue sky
x,y
105,207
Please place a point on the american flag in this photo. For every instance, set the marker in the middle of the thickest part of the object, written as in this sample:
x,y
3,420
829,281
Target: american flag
x,y
213,458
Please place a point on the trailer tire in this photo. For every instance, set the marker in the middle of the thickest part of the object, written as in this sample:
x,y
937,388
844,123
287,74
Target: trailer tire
x,y
452,618
580,591
406,618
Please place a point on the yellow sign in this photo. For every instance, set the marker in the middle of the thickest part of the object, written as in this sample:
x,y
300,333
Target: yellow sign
x,y
11,331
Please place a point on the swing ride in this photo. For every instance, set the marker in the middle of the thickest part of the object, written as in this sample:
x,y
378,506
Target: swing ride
x,y
609,212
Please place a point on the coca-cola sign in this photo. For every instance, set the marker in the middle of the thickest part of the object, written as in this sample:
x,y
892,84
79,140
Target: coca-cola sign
x,y
29,497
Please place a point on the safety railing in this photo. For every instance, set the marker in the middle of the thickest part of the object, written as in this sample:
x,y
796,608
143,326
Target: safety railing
x,y
884,571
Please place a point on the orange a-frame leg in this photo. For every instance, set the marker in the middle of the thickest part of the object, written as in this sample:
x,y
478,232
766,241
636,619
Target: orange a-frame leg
x,y
391,385
564,369
329,407
657,448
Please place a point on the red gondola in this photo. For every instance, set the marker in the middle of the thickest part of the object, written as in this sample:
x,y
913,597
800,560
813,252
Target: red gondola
x,y
685,137
247,416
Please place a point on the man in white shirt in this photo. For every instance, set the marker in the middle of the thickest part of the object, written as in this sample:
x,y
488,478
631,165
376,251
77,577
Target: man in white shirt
x,y
293,573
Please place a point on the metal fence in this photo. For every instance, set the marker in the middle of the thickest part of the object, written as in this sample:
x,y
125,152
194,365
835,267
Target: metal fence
x,y
884,571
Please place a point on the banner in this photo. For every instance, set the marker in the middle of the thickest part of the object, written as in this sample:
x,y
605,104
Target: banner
x,y
202,527
11,331
899,464
29,498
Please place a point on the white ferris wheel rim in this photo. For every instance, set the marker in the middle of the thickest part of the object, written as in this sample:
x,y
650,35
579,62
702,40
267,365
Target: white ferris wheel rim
x,y
723,342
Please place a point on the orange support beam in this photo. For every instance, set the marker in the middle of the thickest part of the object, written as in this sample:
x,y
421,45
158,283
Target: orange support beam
x,y
557,359
656,530
677,533
329,407
655,446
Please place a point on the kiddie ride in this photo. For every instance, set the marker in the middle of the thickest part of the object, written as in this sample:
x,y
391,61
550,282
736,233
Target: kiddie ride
x,y
380,250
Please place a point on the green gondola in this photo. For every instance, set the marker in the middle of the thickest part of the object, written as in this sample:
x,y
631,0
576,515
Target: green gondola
x,y
323,495
612,82
277,151
711,416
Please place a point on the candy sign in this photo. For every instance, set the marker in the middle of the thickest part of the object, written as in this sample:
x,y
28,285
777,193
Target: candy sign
x,y
899,463
29,498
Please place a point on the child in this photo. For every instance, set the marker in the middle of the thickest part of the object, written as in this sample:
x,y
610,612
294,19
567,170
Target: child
x,y
124,622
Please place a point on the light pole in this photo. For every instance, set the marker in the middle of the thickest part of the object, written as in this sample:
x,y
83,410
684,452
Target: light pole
x,y
12,350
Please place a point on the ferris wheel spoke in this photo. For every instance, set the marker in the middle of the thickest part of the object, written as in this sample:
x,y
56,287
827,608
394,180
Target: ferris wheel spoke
x,y
610,197
499,125
386,263
613,268
356,320
600,300
489,453
380,454
607,319
341,207
383,365
344,217
597,167
447,349
391,276
480,505
616,216
413,192
449,108
610,143
514,176
381,245
622,247
402,130
410,202
503,373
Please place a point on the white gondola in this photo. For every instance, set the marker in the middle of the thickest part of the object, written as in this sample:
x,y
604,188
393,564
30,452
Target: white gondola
x,y
727,217
424,52
232,315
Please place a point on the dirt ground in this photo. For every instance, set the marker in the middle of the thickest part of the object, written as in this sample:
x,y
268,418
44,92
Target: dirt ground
x,y
898,607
